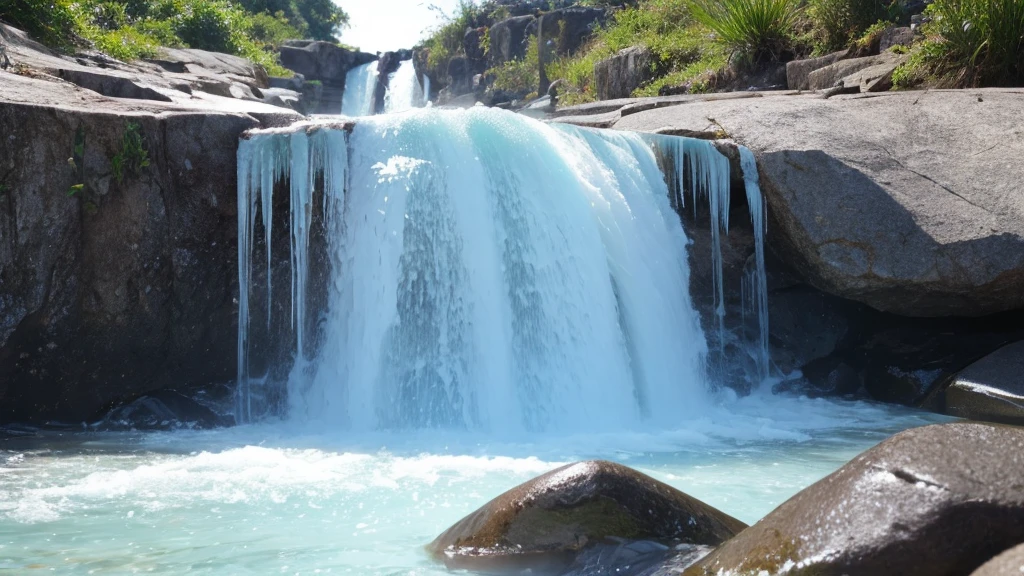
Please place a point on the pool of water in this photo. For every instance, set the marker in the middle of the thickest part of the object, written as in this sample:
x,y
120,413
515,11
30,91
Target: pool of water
x,y
283,498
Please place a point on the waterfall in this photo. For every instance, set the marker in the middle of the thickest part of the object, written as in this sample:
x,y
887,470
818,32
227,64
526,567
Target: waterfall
x,y
404,89
360,83
486,272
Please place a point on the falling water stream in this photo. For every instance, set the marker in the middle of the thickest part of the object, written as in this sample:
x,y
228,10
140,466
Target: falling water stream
x,y
474,297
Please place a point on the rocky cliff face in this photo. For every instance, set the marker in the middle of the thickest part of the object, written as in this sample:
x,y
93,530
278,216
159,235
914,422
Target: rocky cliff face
x,y
117,266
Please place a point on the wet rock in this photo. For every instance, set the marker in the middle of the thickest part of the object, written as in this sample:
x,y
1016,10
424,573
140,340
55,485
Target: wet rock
x,y
617,557
933,501
162,410
620,75
544,524
991,389
1009,563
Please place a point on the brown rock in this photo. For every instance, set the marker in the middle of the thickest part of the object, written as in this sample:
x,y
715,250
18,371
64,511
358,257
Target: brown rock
x,y
544,523
933,501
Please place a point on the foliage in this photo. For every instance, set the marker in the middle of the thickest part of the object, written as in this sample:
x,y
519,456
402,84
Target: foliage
x,y
759,30
133,156
975,42
522,75
445,42
131,29
683,49
51,22
837,23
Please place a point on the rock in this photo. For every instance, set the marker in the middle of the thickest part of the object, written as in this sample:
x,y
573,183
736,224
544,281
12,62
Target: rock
x,y
895,36
635,558
120,288
830,76
799,71
620,75
877,78
938,500
201,62
907,202
991,389
1009,563
545,523
162,410
323,61
112,85
509,39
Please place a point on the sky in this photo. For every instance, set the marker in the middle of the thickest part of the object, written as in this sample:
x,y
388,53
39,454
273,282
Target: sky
x,y
383,25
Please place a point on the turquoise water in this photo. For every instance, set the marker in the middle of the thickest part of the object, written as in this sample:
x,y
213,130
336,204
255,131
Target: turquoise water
x,y
286,499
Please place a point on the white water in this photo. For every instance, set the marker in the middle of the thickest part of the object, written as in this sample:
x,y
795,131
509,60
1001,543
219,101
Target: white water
x,y
495,273
360,83
404,90
287,499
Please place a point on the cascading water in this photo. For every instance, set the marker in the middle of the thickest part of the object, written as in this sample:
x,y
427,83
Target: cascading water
x,y
755,291
404,90
360,83
490,272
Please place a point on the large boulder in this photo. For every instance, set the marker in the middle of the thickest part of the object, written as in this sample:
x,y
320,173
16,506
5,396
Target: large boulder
x,y
907,202
323,61
1009,563
110,287
509,39
933,501
798,71
545,523
832,75
991,389
621,74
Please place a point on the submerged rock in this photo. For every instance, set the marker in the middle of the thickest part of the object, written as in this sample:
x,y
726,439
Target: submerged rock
x,y
545,523
1009,563
162,410
932,501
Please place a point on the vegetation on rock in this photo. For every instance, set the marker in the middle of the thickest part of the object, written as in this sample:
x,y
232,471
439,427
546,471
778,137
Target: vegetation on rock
x,y
698,44
968,43
131,29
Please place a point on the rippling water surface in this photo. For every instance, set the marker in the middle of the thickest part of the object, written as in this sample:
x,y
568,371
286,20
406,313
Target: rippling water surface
x,y
286,499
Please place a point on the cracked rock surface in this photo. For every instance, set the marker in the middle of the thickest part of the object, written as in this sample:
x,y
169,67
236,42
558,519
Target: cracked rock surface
x,y
910,202
936,501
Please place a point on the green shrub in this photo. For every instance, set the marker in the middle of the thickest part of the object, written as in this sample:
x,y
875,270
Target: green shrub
x,y
980,42
837,23
759,30
133,156
522,76
51,22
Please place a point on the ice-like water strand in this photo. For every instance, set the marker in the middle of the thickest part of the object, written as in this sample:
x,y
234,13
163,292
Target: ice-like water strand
x,y
263,160
360,83
700,165
758,290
